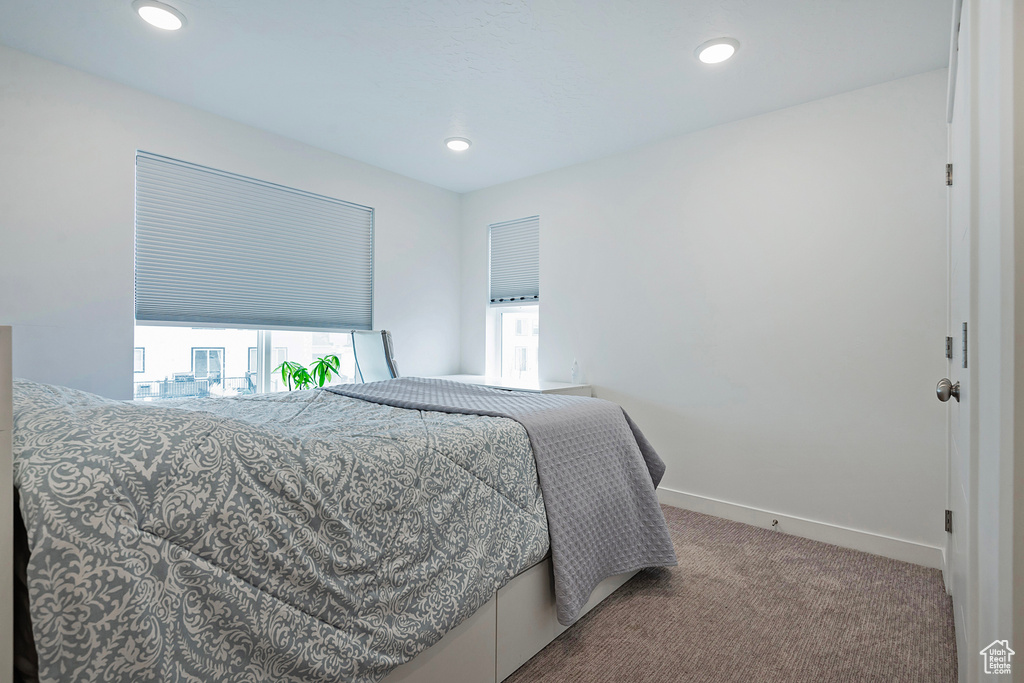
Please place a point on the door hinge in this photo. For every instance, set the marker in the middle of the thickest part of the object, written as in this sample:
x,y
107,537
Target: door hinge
x,y
965,345
949,347
949,521
949,174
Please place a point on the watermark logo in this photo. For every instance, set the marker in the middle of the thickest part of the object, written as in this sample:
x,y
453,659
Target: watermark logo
x,y
997,657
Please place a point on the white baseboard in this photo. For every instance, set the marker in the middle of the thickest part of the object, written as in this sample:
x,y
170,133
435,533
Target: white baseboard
x,y
895,548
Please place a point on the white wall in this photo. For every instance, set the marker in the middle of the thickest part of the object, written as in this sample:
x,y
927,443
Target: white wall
x,y
67,163
766,298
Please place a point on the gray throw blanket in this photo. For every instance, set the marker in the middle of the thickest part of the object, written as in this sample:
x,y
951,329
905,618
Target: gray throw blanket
x,y
597,475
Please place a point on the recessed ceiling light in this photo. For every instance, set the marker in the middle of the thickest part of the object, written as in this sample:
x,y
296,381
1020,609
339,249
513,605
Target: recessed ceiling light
x,y
160,15
717,50
458,144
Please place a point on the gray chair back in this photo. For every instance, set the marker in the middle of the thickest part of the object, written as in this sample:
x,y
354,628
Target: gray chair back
x,y
374,355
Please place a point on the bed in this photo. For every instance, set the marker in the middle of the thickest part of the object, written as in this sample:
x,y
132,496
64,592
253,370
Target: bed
x,y
301,536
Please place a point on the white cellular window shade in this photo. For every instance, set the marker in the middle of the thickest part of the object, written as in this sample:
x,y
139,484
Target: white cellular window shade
x,y
215,247
515,261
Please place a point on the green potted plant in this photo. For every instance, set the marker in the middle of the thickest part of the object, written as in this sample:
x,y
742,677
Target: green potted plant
x,y
320,372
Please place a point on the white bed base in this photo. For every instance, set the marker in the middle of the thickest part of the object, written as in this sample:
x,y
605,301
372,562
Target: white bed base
x,y
502,635
497,639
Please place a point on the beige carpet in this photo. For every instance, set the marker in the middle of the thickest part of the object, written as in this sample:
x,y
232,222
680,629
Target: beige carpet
x,y
749,605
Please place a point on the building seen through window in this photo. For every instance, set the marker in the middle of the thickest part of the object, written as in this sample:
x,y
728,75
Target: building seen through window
x,y
519,338
181,362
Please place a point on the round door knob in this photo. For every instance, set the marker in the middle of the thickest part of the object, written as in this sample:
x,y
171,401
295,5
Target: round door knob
x,y
944,389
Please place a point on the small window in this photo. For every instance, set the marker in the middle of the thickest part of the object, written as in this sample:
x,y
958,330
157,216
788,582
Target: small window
x,y
514,276
252,359
518,342
140,359
208,364
515,261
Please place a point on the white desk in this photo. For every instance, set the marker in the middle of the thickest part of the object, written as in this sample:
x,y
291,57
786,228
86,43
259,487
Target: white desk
x,y
538,388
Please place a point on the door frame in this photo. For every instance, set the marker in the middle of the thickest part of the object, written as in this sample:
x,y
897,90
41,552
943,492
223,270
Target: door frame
x,y
994,182
960,556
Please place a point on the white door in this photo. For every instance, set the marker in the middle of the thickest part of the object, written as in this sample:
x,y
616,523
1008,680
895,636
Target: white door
x,y
961,562
985,569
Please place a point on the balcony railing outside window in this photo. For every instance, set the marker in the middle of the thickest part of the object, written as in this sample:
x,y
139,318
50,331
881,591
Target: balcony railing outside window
x,y
194,388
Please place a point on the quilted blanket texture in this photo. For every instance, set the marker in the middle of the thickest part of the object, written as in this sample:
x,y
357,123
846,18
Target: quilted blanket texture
x,y
285,537
597,472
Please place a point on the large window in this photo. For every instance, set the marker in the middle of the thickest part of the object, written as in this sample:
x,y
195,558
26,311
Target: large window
x,y
305,347
198,361
220,249
280,355
253,259
514,296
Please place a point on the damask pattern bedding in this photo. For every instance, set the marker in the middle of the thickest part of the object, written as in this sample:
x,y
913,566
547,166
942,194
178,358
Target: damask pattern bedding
x,y
286,537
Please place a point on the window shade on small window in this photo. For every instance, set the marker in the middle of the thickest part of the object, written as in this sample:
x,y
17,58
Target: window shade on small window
x,y
215,247
515,261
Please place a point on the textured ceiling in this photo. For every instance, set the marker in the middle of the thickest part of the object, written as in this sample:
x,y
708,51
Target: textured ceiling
x,y
535,85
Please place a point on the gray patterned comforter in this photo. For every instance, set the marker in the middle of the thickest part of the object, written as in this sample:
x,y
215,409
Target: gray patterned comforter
x,y
286,537
597,472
